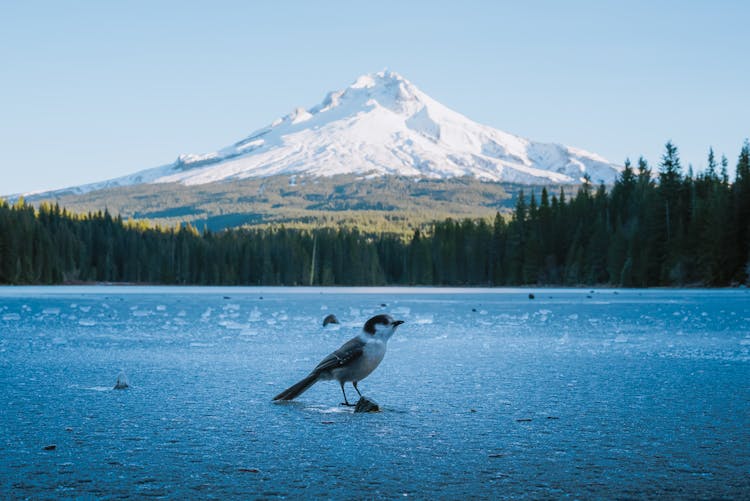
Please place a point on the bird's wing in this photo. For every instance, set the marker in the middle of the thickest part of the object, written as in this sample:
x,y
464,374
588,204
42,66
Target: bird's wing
x,y
349,351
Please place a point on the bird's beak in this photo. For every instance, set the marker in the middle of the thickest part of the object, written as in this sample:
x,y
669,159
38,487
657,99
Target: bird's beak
x,y
397,323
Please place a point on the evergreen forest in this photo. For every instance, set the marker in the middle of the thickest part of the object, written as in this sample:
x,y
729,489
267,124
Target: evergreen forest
x,y
663,227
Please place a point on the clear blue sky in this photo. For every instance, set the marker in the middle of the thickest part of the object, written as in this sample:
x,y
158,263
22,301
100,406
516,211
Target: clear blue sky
x,y
91,90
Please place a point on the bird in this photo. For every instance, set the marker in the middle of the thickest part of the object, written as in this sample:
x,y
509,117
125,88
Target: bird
x,y
352,362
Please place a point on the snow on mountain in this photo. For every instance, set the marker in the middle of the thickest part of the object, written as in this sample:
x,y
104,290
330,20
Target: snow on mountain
x,y
380,125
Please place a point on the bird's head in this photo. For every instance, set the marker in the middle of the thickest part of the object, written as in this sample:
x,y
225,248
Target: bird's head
x,y
381,326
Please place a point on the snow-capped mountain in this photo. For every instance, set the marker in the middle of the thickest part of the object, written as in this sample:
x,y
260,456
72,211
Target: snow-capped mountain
x,y
381,124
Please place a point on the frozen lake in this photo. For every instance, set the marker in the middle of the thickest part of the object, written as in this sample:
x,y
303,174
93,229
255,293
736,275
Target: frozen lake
x,y
603,394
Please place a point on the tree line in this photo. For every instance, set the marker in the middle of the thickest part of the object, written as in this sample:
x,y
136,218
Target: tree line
x,y
649,229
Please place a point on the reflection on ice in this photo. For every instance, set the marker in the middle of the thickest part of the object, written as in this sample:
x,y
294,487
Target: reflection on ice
x,y
99,388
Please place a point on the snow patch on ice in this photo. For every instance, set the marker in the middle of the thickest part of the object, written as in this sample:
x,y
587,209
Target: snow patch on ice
x,y
229,324
423,320
207,314
331,410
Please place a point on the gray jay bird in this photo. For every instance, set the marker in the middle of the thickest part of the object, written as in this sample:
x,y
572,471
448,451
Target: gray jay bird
x,y
353,362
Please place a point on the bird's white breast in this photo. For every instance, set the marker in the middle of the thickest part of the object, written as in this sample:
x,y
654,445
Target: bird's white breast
x,y
373,352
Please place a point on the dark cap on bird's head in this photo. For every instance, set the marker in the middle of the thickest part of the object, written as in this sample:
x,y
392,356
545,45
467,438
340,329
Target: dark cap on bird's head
x,y
381,320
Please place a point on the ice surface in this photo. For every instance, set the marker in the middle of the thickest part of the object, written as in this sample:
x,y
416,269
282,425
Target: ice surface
x,y
631,395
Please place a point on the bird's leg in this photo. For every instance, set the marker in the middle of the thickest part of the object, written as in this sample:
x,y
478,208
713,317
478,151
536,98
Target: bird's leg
x,y
354,383
345,402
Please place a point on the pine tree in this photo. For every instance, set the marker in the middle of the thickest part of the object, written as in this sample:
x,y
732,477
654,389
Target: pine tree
x,y
741,198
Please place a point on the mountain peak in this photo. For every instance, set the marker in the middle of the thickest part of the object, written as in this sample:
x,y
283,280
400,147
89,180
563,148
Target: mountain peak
x,y
386,82
385,88
385,78
381,124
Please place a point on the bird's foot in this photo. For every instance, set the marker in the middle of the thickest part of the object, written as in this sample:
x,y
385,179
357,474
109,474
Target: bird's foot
x,y
347,404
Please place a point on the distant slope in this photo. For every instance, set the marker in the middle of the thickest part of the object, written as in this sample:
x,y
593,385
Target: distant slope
x,y
381,125
392,204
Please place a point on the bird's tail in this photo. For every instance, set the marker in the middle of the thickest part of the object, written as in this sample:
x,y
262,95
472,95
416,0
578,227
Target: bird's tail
x,y
297,389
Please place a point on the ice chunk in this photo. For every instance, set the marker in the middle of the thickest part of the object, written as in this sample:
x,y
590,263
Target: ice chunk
x,y
424,320
255,315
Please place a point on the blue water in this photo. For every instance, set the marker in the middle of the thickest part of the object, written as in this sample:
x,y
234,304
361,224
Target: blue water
x,y
485,393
